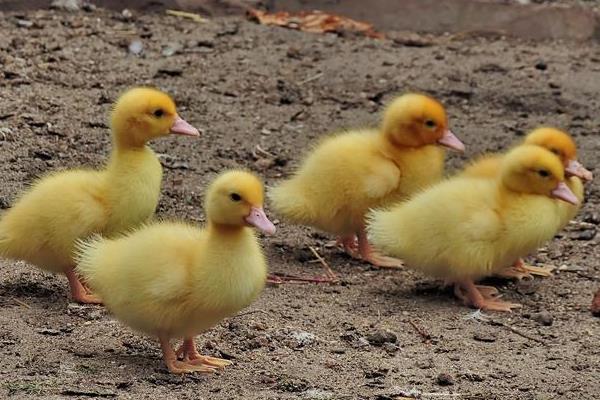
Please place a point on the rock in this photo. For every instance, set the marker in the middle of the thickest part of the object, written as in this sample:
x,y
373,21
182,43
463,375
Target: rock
x,y
592,218
587,234
171,72
487,337
338,350
24,23
4,203
391,348
543,317
126,15
541,65
595,308
48,331
303,338
66,5
42,154
136,47
382,336
317,394
171,49
444,379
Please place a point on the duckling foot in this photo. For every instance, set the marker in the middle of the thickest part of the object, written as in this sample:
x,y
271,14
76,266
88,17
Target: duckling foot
x,y
190,355
79,292
350,245
487,299
180,367
519,270
368,254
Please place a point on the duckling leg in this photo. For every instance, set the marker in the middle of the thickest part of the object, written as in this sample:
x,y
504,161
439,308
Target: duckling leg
x,y
179,367
350,245
474,298
519,270
371,256
190,355
78,292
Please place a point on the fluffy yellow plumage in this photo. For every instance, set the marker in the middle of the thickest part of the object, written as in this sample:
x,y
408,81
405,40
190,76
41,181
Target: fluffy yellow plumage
x,y
42,226
561,144
465,228
349,173
173,280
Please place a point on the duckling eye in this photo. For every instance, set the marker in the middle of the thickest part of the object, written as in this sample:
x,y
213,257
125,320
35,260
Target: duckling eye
x,y
430,123
543,173
235,197
158,113
555,151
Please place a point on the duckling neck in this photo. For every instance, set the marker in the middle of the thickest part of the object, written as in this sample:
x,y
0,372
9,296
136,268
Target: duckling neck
x,y
394,150
216,230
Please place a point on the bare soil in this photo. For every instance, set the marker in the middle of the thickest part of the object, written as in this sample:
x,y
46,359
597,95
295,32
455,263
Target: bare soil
x,y
377,334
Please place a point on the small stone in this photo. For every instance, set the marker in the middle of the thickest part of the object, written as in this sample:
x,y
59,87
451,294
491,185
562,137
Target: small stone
x,y
487,337
126,15
587,234
543,317
66,5
382,336
338,350
4,203
592,218
49,332
24,23
136,47
391,348
42,154
444,379
541,65
303,338
171,49
89,7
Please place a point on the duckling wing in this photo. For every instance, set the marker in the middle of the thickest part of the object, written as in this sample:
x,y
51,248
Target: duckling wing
x,y
381,178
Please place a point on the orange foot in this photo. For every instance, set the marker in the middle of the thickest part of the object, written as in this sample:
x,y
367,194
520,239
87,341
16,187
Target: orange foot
x,y
180,367
79,292
519,270
481,297
368,254
190,354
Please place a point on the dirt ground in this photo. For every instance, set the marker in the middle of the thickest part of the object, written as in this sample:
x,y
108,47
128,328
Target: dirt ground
x,y
379,334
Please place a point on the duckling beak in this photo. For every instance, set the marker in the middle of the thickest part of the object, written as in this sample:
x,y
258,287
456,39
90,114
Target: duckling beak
x,y
563,192
181,127
451,141
258,219
574,168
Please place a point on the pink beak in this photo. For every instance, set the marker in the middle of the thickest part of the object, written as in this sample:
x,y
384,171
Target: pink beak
x,y
574,168
451,141
563,192
258,219
181,127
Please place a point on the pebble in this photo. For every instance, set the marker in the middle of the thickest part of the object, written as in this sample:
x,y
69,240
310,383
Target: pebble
x,y
445,379
382,336
66,5
136,47
541,65
543,317
24,23
487,337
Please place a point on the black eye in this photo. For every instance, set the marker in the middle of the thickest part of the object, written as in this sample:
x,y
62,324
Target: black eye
x,y
543,173
430,123
235,197
555,151
158,113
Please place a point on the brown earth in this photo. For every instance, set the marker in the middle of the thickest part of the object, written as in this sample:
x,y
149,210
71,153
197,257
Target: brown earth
x,y
250,85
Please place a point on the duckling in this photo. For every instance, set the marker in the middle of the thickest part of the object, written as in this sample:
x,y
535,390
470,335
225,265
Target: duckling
x,y
349,173
464,228
561,144
42,226
173,280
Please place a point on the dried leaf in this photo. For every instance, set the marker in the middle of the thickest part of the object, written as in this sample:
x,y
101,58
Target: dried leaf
x,y
314,21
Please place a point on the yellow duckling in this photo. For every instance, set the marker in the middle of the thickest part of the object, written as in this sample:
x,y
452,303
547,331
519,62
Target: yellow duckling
x,y
44,223
561,144
173,280
349,173
465,228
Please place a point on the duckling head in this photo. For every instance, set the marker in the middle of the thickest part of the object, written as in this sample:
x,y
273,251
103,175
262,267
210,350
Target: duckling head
x,y
142,114
535,170
561,144
415,120
235,199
